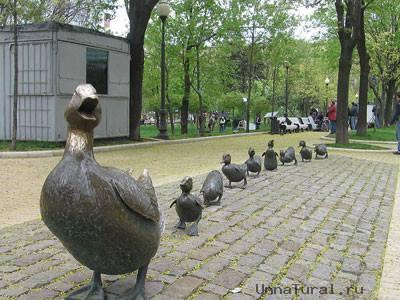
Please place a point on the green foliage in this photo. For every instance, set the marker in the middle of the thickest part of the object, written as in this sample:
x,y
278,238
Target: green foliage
x,y
226,55
86,13
384,39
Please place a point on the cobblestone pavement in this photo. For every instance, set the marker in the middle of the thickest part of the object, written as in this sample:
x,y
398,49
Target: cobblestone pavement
x,y
317,224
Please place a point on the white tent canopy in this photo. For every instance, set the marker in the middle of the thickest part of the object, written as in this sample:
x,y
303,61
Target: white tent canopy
x,y
271,114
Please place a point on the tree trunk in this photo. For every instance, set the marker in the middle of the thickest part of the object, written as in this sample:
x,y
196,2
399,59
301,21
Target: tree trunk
x,y
171,116
391,86
135,90
200,92
251,70
347,16
383,119
345,62
186,96
15,98
139,15
364,79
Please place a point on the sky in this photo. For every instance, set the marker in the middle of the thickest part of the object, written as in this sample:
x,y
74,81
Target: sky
x,y
119,25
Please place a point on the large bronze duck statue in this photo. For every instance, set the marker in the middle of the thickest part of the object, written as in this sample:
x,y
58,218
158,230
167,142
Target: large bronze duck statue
x,y
270,160
107,220
253,163
233,172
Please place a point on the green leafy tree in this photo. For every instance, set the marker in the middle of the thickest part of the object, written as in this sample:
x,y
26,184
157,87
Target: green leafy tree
x,y
383,36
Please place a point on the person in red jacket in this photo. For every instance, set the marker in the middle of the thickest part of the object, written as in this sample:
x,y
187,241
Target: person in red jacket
x,y
332,117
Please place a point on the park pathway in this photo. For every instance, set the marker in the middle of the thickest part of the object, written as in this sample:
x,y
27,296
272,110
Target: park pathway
x,y
322,224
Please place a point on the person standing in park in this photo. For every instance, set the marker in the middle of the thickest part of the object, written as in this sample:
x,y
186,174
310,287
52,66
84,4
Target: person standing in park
x,y
396,119
222,122
376,112
313,113
353,116
258,121
332,117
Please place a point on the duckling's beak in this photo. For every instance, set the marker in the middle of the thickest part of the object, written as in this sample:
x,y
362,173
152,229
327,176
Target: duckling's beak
x,y
88,106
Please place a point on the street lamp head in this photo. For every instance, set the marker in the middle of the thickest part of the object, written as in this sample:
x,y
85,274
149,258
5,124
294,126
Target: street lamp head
x,y
163,9
244,100
327,81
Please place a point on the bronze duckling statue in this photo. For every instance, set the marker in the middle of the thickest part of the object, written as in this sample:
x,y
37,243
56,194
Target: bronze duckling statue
x,y
321,150
188,207
213,188
270,160
305,153
233,172
288,156
106,219
254,162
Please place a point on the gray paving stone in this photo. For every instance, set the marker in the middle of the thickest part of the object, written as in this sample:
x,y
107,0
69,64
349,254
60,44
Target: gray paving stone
x,y
264,248
39,295
41,279
323,271
310,254
13,291
352,265
217,289
183,287
207,296
274,263
8,269
61,286
229,278
298,271
207,252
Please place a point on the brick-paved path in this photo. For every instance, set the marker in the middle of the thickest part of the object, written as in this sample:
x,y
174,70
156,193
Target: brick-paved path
x,y
321,223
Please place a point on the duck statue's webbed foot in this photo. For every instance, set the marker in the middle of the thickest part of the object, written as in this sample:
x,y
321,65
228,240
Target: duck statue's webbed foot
x,y
194,228
218,202
180,225
93,291
138,291
229,186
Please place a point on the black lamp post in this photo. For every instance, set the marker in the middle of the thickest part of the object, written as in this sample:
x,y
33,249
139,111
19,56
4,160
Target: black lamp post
x,y
245,110
286,63
163,10
327,81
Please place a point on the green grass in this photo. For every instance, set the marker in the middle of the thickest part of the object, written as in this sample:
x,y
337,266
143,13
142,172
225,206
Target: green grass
x,y
38,145
387,134
146,132
357,146
31,145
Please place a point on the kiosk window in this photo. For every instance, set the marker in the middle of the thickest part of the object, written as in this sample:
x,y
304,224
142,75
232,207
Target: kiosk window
x,y
97,69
